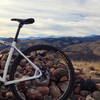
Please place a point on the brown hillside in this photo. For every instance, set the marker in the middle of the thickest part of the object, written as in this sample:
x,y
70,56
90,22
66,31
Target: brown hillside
x,y
84,51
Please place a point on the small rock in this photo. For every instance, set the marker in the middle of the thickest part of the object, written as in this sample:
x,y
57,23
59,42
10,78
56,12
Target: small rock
x,y
81,98
77,90
89,98
81,76
34,94
96,95
54,90
57,71
84,93
44,90
97,74
2,64
1,71
68,99
74,97
98,86
9,94
23,62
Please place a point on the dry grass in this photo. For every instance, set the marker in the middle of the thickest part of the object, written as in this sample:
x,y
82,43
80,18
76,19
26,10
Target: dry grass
x,y
90,68
84,64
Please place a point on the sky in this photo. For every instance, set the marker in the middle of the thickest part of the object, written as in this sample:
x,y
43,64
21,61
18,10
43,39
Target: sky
x,y
52,17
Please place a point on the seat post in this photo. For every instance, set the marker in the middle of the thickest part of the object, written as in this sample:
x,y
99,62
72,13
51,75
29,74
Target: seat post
x,y
21,23
17,33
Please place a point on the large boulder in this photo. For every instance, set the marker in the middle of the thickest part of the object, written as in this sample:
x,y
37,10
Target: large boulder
x,y
88,85
96,95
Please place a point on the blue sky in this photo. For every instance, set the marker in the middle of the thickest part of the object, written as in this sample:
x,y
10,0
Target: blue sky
x,y
52,17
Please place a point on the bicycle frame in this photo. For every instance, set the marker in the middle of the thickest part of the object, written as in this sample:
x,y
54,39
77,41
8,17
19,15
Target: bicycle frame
x,y
37,74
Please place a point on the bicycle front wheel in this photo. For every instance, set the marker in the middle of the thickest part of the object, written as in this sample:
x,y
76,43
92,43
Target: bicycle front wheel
x,y
56,82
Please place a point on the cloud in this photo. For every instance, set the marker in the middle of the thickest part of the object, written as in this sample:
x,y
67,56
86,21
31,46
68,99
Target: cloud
x,y
52,17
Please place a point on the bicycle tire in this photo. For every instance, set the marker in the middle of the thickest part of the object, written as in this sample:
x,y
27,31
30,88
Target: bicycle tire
x,y
70,72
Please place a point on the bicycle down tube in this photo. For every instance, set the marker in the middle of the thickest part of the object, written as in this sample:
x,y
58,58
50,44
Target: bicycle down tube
x,y
13,46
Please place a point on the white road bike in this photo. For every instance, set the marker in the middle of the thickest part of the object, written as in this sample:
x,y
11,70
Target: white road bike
x,y
40,65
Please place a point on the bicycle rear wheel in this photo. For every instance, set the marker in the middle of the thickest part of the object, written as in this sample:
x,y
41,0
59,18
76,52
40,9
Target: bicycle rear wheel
x,y
57,80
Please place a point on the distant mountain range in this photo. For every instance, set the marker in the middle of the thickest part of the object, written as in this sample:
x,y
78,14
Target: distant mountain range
x,y
78,48
86,38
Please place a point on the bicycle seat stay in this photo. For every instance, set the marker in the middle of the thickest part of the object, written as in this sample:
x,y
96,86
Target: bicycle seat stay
x,y
24,21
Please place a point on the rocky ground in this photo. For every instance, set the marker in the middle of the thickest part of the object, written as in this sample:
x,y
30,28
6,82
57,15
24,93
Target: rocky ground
x,y
85,88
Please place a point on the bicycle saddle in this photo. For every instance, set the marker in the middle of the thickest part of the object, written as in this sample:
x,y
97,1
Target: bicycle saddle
x,y
24,21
